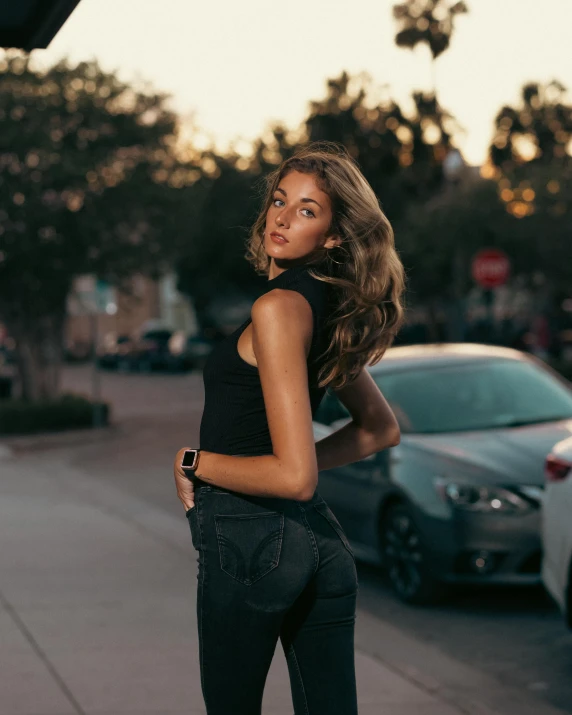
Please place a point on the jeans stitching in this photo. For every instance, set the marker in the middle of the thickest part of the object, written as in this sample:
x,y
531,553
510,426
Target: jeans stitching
x,y
202,587
313,540
341,535
223,541
293,652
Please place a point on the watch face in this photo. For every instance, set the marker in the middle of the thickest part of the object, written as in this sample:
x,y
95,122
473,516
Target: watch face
x,y
190,458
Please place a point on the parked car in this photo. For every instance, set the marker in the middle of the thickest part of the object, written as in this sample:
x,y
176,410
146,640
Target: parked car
x,y
7,351
77,351
145,351
557,527
7,367
156,348
150,350
195,352
114,353
458,500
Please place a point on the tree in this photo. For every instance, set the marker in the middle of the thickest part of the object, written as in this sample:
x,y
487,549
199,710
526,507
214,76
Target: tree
x,y
530,158
221,207
217,214
427,21
88,178
400,155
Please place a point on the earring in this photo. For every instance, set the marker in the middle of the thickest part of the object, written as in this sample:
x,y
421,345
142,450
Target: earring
x,y
329,256
330,251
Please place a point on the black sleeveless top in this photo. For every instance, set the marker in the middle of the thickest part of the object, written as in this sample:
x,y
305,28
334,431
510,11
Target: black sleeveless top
x,y
234,415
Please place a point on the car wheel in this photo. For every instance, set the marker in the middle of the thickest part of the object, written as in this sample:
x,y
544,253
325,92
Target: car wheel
x,y
145,365
404,557
123,365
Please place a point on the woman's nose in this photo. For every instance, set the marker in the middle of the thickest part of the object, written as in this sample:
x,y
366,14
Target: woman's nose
x,y
282,219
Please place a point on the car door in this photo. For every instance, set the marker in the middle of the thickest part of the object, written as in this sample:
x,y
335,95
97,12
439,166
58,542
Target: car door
x,y
352,491
562,531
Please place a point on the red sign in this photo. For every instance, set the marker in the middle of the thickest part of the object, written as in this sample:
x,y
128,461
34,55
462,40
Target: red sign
x,y
490,268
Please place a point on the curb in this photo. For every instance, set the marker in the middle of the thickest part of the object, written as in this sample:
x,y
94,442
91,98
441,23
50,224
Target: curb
x,y
5,452
19,444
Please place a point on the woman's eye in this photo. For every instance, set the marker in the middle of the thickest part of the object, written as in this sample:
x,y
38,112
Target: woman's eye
x,y
310,212
275,200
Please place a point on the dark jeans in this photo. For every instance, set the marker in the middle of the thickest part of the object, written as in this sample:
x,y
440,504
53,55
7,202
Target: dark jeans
x,y
273,568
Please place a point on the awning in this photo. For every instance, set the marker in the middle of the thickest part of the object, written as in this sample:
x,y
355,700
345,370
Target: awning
x,y
32,24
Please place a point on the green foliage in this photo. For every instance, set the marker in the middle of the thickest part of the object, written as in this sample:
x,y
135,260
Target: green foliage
x,y
89,183
438,240
538,131
215,217
427,21
66,412
531,160
401,156
79,152
525,208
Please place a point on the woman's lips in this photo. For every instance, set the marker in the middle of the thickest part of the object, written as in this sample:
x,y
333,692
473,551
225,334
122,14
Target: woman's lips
x,y
277,238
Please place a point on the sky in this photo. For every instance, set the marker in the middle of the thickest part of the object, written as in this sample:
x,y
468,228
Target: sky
x,y
233,67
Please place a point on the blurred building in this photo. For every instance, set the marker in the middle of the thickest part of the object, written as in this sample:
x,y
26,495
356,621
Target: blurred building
x,y
98,309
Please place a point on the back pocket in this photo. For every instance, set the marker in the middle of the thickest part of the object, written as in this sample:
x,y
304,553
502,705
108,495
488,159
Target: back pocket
x,y
249,545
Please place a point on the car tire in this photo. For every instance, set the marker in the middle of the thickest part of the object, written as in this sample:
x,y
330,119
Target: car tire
x,y
145,366
405,558
123,365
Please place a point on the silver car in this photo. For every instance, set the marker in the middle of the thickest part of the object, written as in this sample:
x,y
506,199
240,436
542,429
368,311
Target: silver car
x,y
457,501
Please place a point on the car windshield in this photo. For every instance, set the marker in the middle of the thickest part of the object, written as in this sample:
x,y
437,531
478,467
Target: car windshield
x,y
477,396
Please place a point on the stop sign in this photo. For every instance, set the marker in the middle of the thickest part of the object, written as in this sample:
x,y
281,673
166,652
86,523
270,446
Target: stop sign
x,y
490,268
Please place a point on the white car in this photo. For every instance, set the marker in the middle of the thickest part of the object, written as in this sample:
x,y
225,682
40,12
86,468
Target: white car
x,y
557,527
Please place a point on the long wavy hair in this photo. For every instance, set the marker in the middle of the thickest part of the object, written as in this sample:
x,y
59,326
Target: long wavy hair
x,y
365,268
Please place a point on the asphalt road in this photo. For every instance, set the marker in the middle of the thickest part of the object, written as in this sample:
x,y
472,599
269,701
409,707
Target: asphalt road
x,y
515,635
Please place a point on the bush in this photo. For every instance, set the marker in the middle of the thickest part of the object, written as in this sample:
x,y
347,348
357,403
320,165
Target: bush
x,y
66,412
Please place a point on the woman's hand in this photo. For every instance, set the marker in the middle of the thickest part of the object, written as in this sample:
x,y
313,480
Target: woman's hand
x,y
185,487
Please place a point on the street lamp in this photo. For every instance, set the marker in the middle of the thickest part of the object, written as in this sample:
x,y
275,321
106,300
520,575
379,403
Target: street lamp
x,y
453,166
453,169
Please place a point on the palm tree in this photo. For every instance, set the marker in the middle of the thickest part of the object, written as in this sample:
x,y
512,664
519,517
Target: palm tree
x,y
429,21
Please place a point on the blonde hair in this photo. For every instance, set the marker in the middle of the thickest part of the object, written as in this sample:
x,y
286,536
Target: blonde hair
x,y
365,268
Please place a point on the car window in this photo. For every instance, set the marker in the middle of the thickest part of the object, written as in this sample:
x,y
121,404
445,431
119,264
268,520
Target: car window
x,y
484,395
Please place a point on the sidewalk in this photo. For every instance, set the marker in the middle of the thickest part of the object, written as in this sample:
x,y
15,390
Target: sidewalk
x,y
97,611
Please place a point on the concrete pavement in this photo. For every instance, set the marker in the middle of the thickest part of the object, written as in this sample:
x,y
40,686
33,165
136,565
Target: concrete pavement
x,y
97,613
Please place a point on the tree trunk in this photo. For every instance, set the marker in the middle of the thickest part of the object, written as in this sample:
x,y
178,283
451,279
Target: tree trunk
x,y
38,355
434,75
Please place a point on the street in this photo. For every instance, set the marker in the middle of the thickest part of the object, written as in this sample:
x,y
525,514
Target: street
x,y
500,641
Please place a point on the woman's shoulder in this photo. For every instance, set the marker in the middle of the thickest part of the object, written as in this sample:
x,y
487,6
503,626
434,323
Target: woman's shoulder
x,y
279,304
281,319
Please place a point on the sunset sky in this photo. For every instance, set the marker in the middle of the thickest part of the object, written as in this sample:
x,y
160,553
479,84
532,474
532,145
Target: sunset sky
x,y
235,66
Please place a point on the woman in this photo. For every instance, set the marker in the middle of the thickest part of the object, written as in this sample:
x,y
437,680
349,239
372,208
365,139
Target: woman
x,y
274,562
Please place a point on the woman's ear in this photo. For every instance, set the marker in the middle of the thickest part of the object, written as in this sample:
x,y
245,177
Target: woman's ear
x,y
332,241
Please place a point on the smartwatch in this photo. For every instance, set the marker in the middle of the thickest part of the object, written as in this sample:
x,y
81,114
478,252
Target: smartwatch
x,y
190,462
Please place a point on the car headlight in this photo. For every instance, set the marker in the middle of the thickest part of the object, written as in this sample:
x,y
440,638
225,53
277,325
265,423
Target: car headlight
x,y
487,499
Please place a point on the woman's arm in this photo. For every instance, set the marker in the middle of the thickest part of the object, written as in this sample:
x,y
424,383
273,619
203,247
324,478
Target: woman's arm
x,y
373,426
282,324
